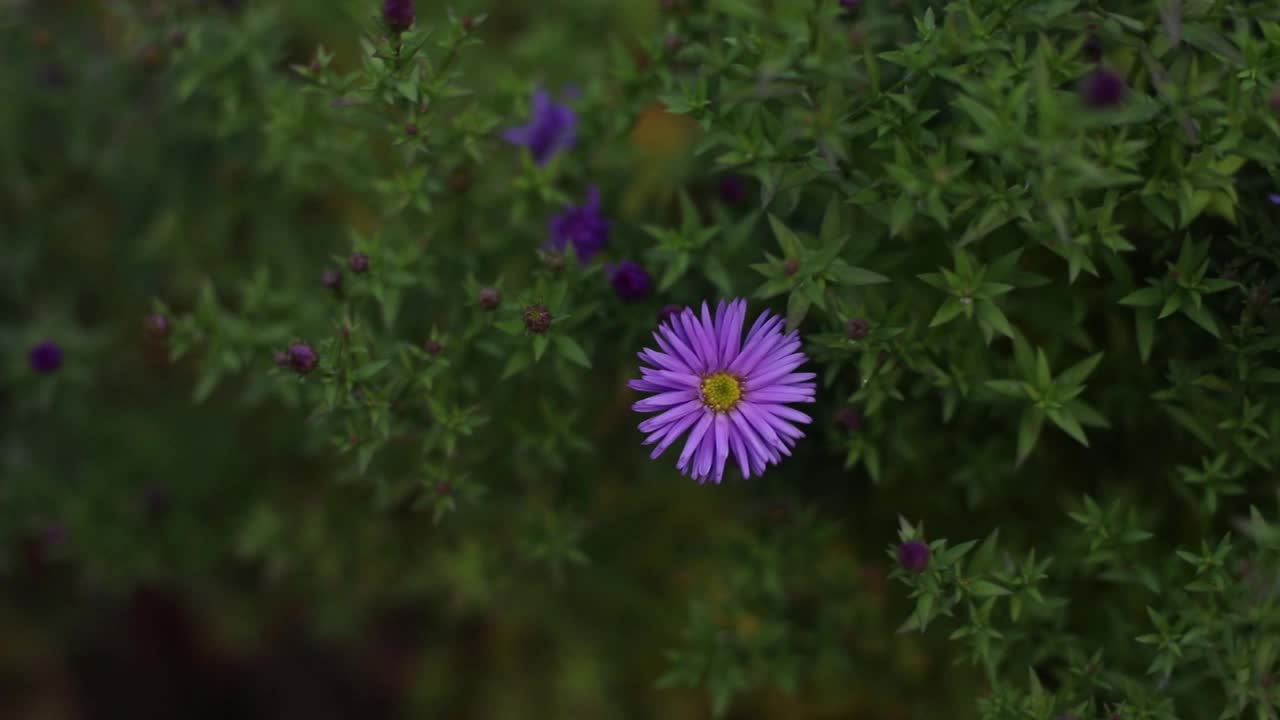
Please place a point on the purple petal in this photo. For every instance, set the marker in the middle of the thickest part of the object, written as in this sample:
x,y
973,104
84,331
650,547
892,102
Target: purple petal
x,y
732,331
665,400
695,439
669,340
722,446
785,412
657,422
761,425
674,431
739,451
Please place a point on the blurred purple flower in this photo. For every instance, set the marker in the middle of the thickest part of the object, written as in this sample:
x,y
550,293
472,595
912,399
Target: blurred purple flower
x,y
583,226
1103,88
45,357
630,281
914,556
1274,198
551,128
398,14
302,358
732,396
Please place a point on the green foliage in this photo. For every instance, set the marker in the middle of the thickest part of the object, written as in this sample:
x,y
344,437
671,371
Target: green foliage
x,y
1066,364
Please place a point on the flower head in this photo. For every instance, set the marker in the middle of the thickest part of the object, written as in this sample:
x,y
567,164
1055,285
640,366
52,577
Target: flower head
x,y
332,279
630,281
489,298
551,128
914,555
156,326
398,14
1104,88
857,328
583,226
302,358
1274,198
45,357
537,318
359,263
730,394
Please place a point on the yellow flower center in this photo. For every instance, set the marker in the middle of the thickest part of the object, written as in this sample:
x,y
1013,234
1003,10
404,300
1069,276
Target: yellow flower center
x,y
721,391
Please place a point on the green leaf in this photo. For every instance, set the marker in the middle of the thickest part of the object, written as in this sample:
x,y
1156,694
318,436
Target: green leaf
x,y
1029,431
994,317
1145,325
1146,297
1069,425
948,312
900,216
1075,375
1010,388
570,350
540,343
797,307
855,276
674,272
368,370
787,240
517,362
986,588
1202,317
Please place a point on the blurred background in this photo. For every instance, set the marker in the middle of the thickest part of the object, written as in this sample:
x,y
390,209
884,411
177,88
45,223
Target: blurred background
x,y
164,558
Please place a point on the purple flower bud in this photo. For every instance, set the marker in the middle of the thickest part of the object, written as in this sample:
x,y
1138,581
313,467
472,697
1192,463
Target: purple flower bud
x,y
850,419
630,281
537,318
489,298
411,130
668,311
851,5
1103,88
857,328
302,358
914,556
45,357
432,347
733,190
332,279
156,326
791,266
1274,198
398,14
359,263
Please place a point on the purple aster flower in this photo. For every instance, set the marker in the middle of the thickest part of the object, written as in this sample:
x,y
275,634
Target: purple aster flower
x,y
398,14
45,357
1104,88
583,226
302,358
914,556
731,395
551,128
630,281
1274,198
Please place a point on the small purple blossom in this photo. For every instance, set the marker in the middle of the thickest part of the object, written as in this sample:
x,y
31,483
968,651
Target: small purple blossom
x,y
850,5
302,358
45,357
1104,88
914,555
156,326
630,281
582,226
332,279
359,263
730,395
857,329
1274,198
398,14
489,298
551,128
